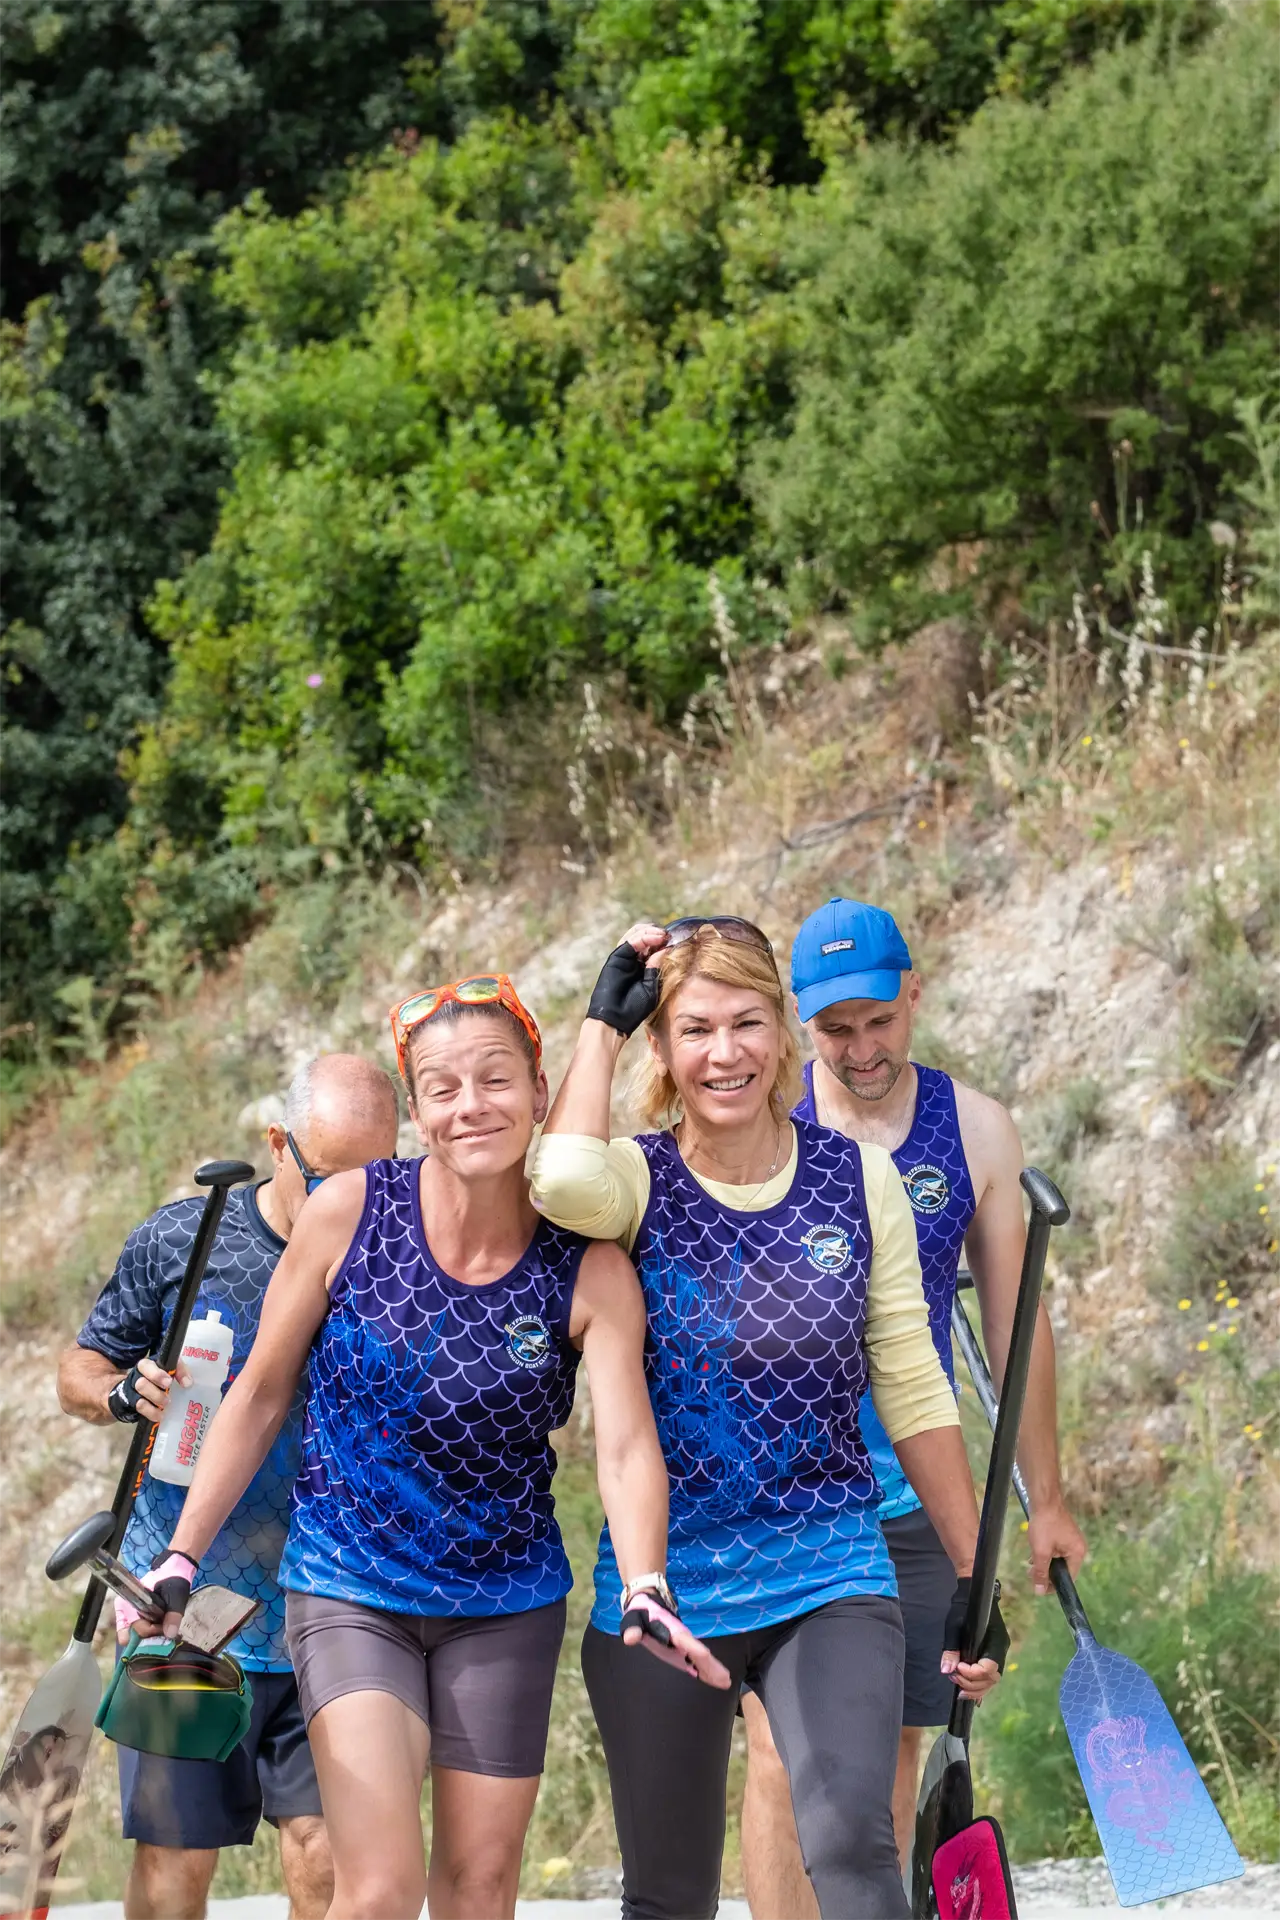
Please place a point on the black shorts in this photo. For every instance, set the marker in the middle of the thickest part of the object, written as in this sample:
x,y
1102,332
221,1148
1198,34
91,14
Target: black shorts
x,y
926,1585
212,1803
482,1684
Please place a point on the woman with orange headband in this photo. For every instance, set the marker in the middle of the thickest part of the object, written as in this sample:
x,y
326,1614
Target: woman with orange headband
x,y
443,1322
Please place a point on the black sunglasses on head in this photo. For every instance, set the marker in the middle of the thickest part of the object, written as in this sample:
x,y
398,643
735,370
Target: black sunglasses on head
x,y
311,1179
730,926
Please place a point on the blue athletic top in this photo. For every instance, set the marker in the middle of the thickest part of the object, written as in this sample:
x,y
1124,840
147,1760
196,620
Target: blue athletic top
x,y
756,1367
128,1322
936,1176
426,1474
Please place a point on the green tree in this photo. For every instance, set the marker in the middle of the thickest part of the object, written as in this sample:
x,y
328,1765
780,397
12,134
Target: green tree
x,y
497,446
1035,344
129,128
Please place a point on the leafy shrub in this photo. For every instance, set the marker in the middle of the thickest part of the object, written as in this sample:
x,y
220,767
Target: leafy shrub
x,y
1035,344
128,130
766,71
470,494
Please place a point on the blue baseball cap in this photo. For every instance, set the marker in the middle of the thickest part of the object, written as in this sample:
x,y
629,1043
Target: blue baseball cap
x,y
847,951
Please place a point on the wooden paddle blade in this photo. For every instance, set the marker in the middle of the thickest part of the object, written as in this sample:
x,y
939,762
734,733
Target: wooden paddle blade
x,y
1160,1831
40,1779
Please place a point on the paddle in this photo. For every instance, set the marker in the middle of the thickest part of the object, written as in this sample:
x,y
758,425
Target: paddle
x,y
40,1777
1160,1831
945,1806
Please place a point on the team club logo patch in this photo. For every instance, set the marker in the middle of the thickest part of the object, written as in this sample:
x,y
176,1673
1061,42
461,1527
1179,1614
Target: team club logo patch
x,y
828,1249
928,1188
529,1341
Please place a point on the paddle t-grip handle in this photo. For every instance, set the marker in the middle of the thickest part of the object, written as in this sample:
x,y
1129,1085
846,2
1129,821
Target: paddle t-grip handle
x,y
86,1546
985,1388
219,1176
1048,1210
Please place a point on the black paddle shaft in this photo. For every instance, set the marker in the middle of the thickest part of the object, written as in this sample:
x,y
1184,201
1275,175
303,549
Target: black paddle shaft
x,y
985,1388
219,1176
1048,1210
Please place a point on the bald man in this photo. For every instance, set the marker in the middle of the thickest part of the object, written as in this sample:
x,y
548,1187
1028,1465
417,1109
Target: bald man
x,y
340,1112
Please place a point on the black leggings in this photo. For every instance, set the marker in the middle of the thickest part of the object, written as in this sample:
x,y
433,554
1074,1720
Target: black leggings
x,y
831,1683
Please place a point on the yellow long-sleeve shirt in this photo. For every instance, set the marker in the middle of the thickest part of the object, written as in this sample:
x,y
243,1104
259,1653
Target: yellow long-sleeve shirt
x,y
601,1188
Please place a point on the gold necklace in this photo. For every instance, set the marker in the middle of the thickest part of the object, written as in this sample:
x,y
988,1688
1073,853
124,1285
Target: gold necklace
x,y
746,1205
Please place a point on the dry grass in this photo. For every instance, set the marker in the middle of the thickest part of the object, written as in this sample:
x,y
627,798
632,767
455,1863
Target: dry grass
x,y
1084,861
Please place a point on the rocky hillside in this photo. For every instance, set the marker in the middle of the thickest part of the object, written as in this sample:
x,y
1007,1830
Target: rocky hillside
x,y
1085,860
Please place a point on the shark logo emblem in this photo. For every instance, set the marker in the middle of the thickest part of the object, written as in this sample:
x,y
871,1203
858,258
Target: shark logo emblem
x,y
828,1248
928,1188
529,1341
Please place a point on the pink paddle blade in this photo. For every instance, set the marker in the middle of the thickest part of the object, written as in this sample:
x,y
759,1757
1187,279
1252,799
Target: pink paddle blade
x,y
971,1878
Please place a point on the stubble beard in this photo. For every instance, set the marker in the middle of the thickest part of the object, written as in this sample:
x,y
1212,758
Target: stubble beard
x,y
880,1090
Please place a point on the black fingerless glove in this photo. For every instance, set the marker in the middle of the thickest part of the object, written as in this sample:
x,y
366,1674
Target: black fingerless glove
x,y
995,1643
122,1401
626,992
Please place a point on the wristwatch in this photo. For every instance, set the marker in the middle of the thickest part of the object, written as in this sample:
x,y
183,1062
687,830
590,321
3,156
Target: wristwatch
x,y
654,1583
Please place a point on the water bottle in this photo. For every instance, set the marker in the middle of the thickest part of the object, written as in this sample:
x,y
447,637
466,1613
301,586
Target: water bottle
x,y
206,1355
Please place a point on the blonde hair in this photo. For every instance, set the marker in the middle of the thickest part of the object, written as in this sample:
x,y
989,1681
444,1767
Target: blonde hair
x,y
734,963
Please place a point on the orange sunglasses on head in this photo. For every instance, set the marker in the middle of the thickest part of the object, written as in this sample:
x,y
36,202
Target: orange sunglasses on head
x,y
477,990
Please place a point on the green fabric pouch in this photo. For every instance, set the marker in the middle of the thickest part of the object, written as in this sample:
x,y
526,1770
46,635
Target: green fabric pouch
x,y
176,1701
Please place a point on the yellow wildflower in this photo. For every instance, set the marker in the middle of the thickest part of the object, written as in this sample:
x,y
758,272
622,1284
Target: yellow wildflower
x,y
1183,1305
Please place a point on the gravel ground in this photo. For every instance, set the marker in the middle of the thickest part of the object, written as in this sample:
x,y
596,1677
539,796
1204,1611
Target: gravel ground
x,y
1047,1890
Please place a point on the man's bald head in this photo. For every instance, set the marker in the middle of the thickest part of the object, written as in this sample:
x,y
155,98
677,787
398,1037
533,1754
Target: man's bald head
x,y
340,1112
342,1093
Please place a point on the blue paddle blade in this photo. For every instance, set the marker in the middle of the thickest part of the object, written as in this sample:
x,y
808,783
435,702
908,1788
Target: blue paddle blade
x,y
1160,1831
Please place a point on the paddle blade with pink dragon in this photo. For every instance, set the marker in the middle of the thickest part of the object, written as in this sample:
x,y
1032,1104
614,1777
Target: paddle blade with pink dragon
x,y
1160,1831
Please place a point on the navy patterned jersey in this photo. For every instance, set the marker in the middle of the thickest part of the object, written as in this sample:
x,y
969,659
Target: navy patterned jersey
x,y
128,1322
426,1475
756,1368
935,1174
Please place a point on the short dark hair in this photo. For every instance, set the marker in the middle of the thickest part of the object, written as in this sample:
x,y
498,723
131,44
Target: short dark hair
x,y
448,1014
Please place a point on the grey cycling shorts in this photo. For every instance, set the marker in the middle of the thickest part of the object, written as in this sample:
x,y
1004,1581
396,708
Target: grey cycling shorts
x,y
482,1685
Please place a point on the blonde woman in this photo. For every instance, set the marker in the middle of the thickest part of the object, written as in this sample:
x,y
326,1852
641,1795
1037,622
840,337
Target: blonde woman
x,y
780,1273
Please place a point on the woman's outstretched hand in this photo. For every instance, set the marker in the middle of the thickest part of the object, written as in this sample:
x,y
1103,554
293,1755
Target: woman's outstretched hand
x,y
647,1624
629,985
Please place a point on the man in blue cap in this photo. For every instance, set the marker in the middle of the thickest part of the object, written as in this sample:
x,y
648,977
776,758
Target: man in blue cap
x,y
960,1159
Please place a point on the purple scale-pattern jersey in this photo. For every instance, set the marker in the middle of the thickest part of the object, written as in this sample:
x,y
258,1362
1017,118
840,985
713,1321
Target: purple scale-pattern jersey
x,y
935,1174
756,1368
128,1322
426,1473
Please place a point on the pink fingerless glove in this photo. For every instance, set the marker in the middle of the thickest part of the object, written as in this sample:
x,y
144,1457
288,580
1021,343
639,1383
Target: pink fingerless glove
x,y
664,1634
170,1579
